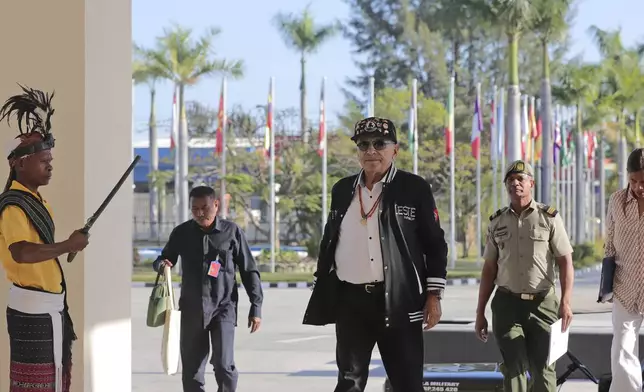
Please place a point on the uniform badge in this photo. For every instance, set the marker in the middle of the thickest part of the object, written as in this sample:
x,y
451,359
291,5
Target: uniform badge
x,y
436,214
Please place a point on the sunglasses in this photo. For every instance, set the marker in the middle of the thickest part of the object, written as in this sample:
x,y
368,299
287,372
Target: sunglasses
x,y
378,144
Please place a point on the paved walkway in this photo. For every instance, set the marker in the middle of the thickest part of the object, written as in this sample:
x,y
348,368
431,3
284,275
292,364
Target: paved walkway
x,y
287,356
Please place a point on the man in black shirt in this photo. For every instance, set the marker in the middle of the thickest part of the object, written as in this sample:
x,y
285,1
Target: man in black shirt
x,y
211,249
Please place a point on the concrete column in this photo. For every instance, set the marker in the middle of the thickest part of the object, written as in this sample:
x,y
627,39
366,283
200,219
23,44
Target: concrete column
x,y
82,50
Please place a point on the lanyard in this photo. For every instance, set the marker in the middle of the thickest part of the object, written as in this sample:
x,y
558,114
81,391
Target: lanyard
x,y
206,241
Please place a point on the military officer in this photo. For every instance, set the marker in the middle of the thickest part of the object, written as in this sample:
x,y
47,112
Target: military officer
x,y
525,240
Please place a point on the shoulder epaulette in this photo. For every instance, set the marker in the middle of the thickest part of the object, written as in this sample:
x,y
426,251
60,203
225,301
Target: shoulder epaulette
x,y
497,213
549,210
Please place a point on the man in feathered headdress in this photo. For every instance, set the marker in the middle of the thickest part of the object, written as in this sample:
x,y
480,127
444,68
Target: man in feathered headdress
x,y
40,328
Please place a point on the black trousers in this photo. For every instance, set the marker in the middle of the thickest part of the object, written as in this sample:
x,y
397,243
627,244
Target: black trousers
x,y
195,347
359,326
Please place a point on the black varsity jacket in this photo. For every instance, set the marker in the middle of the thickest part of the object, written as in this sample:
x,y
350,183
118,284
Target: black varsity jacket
x,y
413,245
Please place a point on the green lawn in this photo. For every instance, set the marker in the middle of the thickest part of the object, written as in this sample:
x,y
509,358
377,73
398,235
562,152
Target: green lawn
x,y
464,269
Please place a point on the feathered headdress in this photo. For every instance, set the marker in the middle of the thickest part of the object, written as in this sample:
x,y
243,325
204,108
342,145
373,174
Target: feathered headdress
x,y
33,108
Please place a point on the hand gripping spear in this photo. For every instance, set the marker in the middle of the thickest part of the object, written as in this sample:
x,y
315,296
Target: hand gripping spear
x,y
93,218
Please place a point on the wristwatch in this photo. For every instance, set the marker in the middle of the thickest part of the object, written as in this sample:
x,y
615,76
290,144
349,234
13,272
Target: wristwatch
x,y
436,292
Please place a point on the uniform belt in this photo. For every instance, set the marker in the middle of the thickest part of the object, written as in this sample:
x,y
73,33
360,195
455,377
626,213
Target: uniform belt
x,y
525,296
365,287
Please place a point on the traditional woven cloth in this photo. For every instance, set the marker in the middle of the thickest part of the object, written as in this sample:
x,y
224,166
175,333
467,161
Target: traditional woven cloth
x,y
35,210
31,334
32,366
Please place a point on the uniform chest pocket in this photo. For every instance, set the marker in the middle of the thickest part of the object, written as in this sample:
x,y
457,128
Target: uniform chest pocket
x,y
223,258
540,234
215,251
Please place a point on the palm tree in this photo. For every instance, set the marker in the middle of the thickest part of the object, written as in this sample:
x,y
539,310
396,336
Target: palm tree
x,y
184,61
549,21
514,16
623,85
143,72
301,34
578,84
596,119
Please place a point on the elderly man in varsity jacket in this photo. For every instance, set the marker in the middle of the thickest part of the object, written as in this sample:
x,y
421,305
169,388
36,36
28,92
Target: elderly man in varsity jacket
x,y
382,265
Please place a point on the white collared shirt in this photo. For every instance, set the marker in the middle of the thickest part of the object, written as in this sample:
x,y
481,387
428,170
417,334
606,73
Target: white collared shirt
x,y
358,255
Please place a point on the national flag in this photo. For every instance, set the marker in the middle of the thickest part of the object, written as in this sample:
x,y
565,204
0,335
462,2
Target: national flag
x,y
557,143
590,148
477,127
269,122
595,145
565,143
449,128
219,138
535,130
570,144
322,134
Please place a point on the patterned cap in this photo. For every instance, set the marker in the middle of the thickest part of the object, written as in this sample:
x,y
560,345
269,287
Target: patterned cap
x,y
520,167
375,126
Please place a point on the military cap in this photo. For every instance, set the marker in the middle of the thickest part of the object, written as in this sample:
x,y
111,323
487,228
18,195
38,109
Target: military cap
x,y
375,126
519,167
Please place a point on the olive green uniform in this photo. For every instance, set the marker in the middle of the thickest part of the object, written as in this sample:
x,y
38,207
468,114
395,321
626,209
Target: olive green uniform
x,y
525,303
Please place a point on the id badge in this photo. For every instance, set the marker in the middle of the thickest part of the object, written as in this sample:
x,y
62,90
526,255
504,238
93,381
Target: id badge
x,y
214,268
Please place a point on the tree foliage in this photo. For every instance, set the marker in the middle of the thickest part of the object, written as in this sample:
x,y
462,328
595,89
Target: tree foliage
x,y
396,41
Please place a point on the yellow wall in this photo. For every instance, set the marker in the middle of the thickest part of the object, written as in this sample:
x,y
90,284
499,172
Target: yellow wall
x,y
81,49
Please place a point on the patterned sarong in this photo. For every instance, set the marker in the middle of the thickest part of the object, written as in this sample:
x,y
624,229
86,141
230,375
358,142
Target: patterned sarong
x,y
32,367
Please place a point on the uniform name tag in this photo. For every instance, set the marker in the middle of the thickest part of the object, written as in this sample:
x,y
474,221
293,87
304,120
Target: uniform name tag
x,y
215,266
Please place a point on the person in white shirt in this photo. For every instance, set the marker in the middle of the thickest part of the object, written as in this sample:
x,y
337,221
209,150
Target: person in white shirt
x,y
382,265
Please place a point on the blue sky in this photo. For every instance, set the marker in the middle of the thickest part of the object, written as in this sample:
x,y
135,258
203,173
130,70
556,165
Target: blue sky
x,y
251,36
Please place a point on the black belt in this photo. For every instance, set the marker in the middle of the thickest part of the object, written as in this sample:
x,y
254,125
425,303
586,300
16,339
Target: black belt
x,y
365,287
525,296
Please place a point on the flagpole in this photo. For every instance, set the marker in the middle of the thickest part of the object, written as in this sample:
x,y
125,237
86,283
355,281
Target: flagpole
x,y
571,194
527,146
503,142
272,175
591,183
175,137
372,97
452,186
533,145
556,158
222,181
573,175
414,99
133,110
602,183
494,151
324,155
477,115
